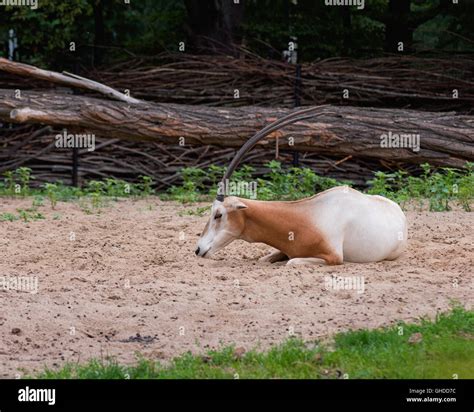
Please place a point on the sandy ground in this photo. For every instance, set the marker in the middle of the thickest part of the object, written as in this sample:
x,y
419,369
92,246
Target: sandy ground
x,y
127,281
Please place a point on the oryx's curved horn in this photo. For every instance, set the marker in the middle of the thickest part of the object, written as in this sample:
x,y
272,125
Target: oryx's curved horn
x,y
293,117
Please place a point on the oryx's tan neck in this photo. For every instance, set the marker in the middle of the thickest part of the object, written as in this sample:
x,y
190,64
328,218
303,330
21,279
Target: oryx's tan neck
x,y
287,226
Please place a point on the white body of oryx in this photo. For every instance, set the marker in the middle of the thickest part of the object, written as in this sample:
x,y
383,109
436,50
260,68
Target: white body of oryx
x,y
362,228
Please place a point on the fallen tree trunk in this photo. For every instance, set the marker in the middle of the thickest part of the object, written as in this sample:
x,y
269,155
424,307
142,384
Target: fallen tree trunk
x,y
445,139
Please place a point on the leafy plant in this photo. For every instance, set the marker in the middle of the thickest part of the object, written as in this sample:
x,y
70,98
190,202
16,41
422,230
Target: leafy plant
x,y
146,185
29,214
277,183
8,217
52,193
438,187
38,201
9,182
24,177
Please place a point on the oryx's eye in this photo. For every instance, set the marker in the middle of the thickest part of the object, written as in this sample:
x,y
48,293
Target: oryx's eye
x,y
218,215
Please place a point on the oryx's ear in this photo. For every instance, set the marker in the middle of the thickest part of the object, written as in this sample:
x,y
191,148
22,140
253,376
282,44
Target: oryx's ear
x,y
236,204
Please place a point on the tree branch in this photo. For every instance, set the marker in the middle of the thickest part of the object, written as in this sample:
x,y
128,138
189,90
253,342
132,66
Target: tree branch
x,y
65,79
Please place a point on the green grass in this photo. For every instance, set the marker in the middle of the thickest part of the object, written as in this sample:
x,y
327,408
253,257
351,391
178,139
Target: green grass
x,y
445,351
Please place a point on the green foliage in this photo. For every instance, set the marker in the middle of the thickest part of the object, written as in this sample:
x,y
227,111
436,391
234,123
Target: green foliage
x,y
17,182
290,184
96,193
146,27
29,214
446,348
192,188
149,27
91,198
267,24
8,217
26,215
51,193
451,31
45,33
321,31
438,187
146,185
199,211
38,201
24,176
293,183
9,186
113,188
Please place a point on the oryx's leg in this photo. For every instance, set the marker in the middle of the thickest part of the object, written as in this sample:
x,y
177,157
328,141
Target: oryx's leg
x,y
333,253
329,251
331,259
305,261
273,257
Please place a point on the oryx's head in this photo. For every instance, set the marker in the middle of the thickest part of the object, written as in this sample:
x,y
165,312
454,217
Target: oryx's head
x,y
225,225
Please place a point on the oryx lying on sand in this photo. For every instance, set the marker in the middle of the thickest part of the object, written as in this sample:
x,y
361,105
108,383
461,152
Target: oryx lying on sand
x,y
340,224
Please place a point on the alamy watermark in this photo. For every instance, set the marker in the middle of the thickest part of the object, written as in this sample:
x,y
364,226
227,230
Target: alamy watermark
x,y
32,4
28,394
75,141
359,3
400,141
356,283
241,189
20,283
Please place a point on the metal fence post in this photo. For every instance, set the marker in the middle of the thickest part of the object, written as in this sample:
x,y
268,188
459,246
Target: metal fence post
x,y
292,7
12,45
296,155
75,150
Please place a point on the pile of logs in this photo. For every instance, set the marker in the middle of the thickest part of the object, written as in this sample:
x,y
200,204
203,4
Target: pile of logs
x,y
405,81
402,81
143,137
32,146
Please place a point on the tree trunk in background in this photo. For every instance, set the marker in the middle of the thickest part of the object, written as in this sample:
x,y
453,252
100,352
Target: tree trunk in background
x,y
214,24
99,33
347,27
445,138
397,26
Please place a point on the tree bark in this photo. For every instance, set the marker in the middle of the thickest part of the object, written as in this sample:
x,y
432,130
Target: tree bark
x,y
445,138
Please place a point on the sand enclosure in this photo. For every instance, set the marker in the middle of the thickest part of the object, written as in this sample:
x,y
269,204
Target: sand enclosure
x,y
126,281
